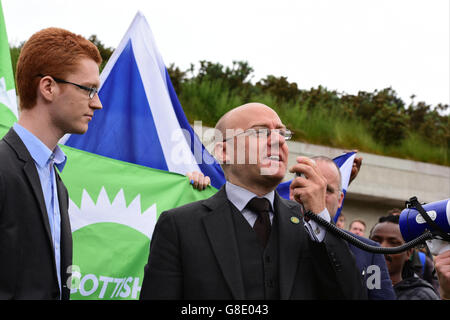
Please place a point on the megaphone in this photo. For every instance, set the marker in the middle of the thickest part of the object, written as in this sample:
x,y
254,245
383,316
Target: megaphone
x,y
413,224
416,227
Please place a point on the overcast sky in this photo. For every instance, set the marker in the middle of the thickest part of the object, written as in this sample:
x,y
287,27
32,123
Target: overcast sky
x,y
344,45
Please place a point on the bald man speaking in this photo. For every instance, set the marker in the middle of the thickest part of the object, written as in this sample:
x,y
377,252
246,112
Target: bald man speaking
x,y
246,242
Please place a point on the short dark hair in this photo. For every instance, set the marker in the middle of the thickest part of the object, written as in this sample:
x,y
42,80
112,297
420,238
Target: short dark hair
x,y
394,210
389,218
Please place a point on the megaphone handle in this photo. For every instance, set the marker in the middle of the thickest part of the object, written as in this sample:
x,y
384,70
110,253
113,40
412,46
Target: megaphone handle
x,y
438,246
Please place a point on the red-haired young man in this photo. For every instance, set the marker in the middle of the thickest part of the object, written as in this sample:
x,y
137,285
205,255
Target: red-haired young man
x,y
57,78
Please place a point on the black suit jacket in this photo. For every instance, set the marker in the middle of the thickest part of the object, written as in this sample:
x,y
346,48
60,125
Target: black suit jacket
x,y
194,255
27,260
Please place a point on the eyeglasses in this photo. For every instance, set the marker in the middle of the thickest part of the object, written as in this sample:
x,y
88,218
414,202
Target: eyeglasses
x,y
264,132
92,91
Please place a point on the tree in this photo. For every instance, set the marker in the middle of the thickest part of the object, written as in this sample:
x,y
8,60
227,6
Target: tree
x,y
104,51
236,77
15,52
280,88
388,125
177,77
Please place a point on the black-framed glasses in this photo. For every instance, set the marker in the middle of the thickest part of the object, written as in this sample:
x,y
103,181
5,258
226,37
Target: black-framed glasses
x,y
92,91
264,132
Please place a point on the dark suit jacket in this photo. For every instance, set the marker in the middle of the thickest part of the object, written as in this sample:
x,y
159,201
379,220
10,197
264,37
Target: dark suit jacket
x,y
27,260
364,260
194,255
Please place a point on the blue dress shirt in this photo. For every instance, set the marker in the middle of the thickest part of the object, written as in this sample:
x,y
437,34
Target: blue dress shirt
x,y
45,159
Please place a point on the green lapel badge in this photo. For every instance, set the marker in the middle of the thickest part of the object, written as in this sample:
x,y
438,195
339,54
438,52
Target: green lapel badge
x,y
295,220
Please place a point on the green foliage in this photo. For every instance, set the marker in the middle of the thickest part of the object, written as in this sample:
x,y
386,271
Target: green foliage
x,y
208,100
235,77
15,52
104,52
176,76
429,123
280,88
319,98
388,125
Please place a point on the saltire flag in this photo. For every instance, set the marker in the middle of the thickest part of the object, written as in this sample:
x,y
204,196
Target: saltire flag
x,y
8,100
345,164
142,120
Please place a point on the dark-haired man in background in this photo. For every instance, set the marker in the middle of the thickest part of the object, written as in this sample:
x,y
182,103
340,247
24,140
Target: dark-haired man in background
x,y
407,285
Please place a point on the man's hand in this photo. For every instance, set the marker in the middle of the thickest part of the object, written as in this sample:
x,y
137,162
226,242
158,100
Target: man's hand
x,y
355,168
198,180
310,189
356,165
442,264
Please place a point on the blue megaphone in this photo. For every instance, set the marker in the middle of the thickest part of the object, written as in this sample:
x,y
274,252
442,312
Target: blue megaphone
x,y
412,224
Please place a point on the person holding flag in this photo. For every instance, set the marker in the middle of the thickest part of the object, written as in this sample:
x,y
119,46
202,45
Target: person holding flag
x,y
57,80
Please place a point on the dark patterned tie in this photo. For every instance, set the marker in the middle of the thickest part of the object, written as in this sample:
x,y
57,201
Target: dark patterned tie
x,y
262,226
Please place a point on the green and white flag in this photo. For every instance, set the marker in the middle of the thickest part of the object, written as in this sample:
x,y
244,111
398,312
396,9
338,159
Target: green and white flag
x,y
8,100
113,209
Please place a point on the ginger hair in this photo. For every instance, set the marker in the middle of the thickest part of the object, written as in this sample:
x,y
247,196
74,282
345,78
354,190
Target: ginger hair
x,y
54,52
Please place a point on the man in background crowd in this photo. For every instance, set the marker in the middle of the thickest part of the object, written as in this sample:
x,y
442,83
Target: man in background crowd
x,y
340,223
364,259
358,227
421,260
407,285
